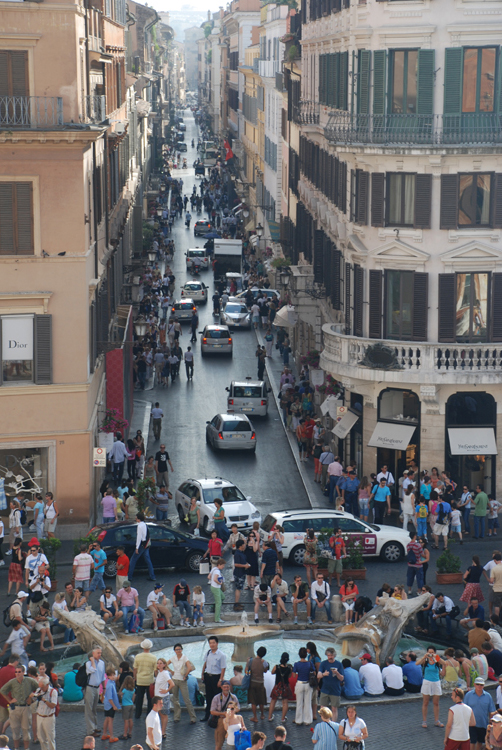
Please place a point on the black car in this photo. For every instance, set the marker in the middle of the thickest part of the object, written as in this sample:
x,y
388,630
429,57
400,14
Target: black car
x,y
169,547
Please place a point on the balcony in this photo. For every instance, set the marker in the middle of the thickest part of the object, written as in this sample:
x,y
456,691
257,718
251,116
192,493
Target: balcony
x,y
411,362
414,130
94,108
268,68
306,113
31,112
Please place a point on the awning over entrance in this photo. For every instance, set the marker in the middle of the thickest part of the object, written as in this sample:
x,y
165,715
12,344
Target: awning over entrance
x,y
344,426
286,317
472,441
275,232
392,435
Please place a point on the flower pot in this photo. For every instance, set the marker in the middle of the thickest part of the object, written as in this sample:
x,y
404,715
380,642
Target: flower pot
x,y
443,578
358,574
54,585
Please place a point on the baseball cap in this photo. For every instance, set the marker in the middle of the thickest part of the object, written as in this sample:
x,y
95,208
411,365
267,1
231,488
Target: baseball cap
x,y
226,682
496,717
158,586
22,595
369,657
479,681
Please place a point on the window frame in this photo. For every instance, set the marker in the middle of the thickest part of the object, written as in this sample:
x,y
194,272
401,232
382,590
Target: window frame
x,y
401,336
470,338
489,224
478,111
405,51
403,175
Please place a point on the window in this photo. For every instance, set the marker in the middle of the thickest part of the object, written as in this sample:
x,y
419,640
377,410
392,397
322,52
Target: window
x,y
472,306
478,85
16,218
398,406
399,304
13,74
401,199
404,65
297,526
26,348
333,80
474,200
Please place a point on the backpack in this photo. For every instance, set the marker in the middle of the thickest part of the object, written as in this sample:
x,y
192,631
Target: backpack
x,y
443,514
23,517
411,557
7,621
422,511
81,677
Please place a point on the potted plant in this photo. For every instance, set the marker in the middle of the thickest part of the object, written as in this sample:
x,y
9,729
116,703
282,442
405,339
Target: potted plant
x,y
113,422
353,562
50,547
323,548
145,490
448,568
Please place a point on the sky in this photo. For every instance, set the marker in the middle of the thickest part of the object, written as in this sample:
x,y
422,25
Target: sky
x,y
201,6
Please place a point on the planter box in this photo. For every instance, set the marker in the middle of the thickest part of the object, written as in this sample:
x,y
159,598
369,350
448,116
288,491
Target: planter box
x,y
357,575
445,578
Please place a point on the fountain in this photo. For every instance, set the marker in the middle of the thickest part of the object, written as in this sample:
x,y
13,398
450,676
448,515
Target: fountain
x,y
89,631
243,637
380,629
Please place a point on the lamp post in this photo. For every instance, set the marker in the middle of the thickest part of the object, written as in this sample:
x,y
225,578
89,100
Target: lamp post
x,y
151,256
140,326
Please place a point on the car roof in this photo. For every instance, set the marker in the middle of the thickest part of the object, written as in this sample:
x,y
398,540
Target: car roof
x,y
233,417
208,483
215,328
288,514
202,221
183,301
194,283
124,524
247,382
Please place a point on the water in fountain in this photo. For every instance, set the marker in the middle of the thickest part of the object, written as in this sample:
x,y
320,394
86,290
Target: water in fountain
x,y
244,621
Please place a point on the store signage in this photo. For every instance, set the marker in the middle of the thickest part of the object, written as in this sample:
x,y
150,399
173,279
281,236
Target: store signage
x,y
472,441
391,435
17,337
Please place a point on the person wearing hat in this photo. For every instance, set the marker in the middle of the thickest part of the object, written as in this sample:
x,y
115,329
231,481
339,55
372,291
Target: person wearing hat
x,y
482,706
33,561
16,608
494,732
218,707
460,719
144,674
156,602
370,676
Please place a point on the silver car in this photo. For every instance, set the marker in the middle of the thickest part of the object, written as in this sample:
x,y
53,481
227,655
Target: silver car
x,y
235,314
216,340
195,290
231,432
183,309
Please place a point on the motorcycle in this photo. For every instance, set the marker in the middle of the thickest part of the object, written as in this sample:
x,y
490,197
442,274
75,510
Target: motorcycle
x,y
188,220
184,163
195,269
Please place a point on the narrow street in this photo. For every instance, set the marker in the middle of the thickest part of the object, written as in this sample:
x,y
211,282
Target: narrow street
x,y
270,476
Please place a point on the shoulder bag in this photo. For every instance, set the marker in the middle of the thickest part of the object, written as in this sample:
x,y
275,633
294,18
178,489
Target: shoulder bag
x,y
213,720
313,681
350,744
246,680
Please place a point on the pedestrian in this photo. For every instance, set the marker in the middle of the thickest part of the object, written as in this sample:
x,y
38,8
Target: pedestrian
x,y
412,674
181,599
494,732
472,613
8,672
370,676
303,690
110,704
161,503
153,724
156,603
144,667
117,454
109,503
214,548
213,672
414,558
269,563
352,730
127,695
282,689
38,519
15,528
95,670
338,552
300,594
480,501
19,692
108,606
441,607
421,513
381,495
482,706
252,552
392,676
326,731
261,355
325,459
18,640
163,685
122,568
493,657
256,667
194,324
351,688
216,580
219,707
128,600
441,526
433,670
232,723
161,471
99,558
188,357
269,342
157,416
331,672
142,547
349,593
181,668
51,514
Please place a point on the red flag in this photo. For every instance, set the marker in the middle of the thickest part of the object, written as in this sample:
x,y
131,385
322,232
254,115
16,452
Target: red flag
x,y
229,154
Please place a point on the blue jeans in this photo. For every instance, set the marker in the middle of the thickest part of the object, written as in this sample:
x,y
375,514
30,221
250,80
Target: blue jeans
x,y
410,575
351,504
467,513
222,529
134,560
332,487
160,515
422,527
326,606
118,470
185,609
125,618
435,623
97,580
69,635
479,521
142,378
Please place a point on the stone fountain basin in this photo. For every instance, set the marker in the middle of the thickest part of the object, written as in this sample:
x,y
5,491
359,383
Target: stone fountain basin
x,y
244,638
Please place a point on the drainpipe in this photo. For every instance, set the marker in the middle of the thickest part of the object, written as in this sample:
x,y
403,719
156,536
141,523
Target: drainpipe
x,y
96,268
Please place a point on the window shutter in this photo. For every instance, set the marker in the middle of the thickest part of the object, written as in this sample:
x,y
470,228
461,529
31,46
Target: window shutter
x,y
453,57
1,367
449,201
423,196
420,306
375,300
93,352
363,82
363,184
333,80
19,73
498,93
425,82
24,217
7,243
343,80
348,269
318,255
497,200
379,75
336,274
358,301
377,199
496,333
43,349
4,73
446,307
342,187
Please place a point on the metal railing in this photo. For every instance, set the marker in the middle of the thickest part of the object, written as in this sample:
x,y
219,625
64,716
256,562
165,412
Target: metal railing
x,y
412,130
94,108
31,112
306,113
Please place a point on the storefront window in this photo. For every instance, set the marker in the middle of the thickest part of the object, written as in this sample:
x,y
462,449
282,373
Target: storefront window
x,y
472,306
399,406
403,408
23,469
17,348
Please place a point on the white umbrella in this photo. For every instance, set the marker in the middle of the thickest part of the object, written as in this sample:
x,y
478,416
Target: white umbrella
x,y
286,317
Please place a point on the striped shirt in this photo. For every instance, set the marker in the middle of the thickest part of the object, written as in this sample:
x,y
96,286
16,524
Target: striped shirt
x,y
326,734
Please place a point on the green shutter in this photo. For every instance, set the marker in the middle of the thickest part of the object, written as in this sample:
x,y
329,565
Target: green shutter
x,y
343,80
363,82
322,79
425,82
379,78
333,78
498,101
453,57
43,349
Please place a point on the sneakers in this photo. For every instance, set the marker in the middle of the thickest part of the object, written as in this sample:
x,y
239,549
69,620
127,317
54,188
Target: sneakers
x,y
309,621
201,622
126,632
2,562
155,630
182,623
9,552
295,621
256,621
141,630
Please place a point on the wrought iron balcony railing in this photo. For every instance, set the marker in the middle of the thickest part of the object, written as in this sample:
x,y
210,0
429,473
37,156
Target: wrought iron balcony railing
x,y
94,108
31,112
306,113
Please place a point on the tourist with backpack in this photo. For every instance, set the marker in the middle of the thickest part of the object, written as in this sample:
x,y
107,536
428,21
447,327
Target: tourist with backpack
x,y
414,553
421,513
441,526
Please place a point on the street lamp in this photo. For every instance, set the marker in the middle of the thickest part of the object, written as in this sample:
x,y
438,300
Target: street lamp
x,y
151,256
259,231
284,276
140,326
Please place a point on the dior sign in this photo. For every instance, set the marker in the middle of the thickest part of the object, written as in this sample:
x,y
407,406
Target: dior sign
x,y
17,337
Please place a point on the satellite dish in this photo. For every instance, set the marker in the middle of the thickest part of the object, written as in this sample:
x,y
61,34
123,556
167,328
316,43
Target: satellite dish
x,y
120,127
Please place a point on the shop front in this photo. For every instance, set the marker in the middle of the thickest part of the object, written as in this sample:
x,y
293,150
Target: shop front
x,y
470,439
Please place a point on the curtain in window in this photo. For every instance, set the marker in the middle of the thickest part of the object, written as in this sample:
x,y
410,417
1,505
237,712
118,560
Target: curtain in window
x,y
409,199
395,198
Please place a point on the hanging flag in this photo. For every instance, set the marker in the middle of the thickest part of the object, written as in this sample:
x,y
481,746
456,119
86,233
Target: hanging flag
x,y
229,154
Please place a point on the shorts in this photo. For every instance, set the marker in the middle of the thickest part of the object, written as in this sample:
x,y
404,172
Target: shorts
x,y
477,734
4,714
440,529
50,525
334,566
84,584
456,529
127,712
457,745
257,694
239,582
281,558
329,700
364,506
497,599
431,688
39,626
110,712
107,609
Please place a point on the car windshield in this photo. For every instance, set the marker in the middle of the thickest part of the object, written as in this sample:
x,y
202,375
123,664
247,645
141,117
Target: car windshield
x,y
227,494
269,523
247,391
193,287
232,308
236,426
217,334
185,306
196,253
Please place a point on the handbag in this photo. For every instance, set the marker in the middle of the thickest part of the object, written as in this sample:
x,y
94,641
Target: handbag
x,y
199,698
203,568
350,744
313,681
213,720
223,586
246,680
242,739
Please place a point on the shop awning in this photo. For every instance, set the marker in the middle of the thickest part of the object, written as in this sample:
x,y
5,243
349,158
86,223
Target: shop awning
x,y
472,441
286,317
392,435
275,231
344,426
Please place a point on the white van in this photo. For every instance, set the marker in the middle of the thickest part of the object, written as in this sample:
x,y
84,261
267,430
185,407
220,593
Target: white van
x,y
201,254
248,397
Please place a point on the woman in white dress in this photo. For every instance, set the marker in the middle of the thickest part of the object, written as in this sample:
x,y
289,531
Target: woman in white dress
x,y
232,723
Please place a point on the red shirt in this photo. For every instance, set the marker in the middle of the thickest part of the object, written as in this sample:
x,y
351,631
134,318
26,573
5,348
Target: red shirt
x,y
309,428
122,565
338,545
344,590
6,673
214,546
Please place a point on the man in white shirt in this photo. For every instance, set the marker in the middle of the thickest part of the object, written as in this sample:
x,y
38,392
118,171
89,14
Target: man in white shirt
x,y
156,602
142,547
47,701
82,566
441,607
392,677
18,641
370,676
320,594
279,589
153,726
487,571
386,474
157,413
189,363
33,561
118,455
